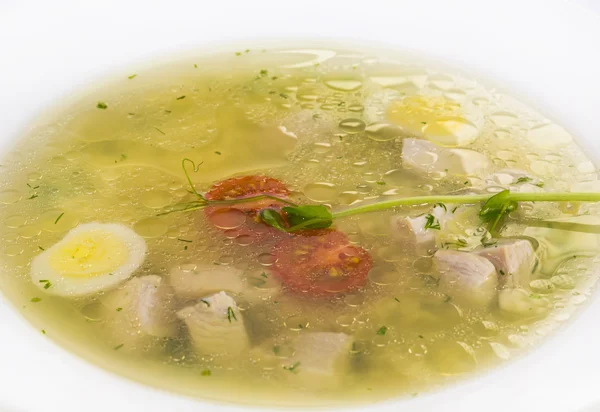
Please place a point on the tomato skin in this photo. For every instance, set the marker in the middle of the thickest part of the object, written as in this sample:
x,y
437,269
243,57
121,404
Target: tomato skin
x,y
321,263
243,218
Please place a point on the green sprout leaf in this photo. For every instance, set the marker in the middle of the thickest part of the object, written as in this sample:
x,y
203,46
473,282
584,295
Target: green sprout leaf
x,y
496,208
272,218
308,217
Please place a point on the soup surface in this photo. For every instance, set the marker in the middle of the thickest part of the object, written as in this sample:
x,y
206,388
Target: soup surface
x,y
107,248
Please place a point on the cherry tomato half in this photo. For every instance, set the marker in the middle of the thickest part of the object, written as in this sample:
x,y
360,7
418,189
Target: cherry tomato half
x,y
243,219
321,263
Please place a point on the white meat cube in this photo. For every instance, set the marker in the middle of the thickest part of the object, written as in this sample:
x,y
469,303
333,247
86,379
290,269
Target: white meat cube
x,y
216,326
321,353
469,278
513,259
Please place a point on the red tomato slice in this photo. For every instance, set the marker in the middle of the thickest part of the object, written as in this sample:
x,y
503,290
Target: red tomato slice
x,y
321,263
243,219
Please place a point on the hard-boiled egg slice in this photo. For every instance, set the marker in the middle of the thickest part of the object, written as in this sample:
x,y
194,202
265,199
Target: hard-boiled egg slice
x,y
438,119
92,257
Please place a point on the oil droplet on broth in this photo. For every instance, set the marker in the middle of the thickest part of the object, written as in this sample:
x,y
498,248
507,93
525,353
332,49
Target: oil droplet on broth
x,y
320,192
384,275
383,132
10,196
150,227
549,136
344,85
29,231
504,119
352,125
266,259
296,323
156,199
15,221
228,218
13,250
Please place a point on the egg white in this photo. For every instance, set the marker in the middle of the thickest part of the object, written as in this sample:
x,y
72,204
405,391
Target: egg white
x,y
62,283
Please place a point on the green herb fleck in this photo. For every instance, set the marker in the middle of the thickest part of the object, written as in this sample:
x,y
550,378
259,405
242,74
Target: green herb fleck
x,y
466,182
276,349
119,346
440,204
46,282
195,66
432,222
380,183
540,184
524,179
43,331
264,275
206,372
292,368
36,300
180,98
102,105
133,76
41,248
238,53
206,302
396,299
448,299
160,131
32,187
185,240
218,153
285,96
32,197
502,272
382,330
59,217
423,122
230,314
119,309
264,72
535,296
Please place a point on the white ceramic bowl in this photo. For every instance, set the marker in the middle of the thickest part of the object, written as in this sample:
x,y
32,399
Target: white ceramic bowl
x,y
545,52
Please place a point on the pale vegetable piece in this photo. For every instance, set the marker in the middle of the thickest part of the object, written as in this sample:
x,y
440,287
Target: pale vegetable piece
x,y
142,308
427,157
513,259
442,121
522,303
216,326
92,257
557,245
321,353
467,277
192,280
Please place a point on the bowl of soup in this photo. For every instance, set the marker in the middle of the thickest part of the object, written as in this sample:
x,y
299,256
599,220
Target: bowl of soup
x,y
246,205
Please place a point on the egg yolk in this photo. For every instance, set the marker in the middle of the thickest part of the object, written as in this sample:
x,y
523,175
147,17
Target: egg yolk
x,y
89,254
